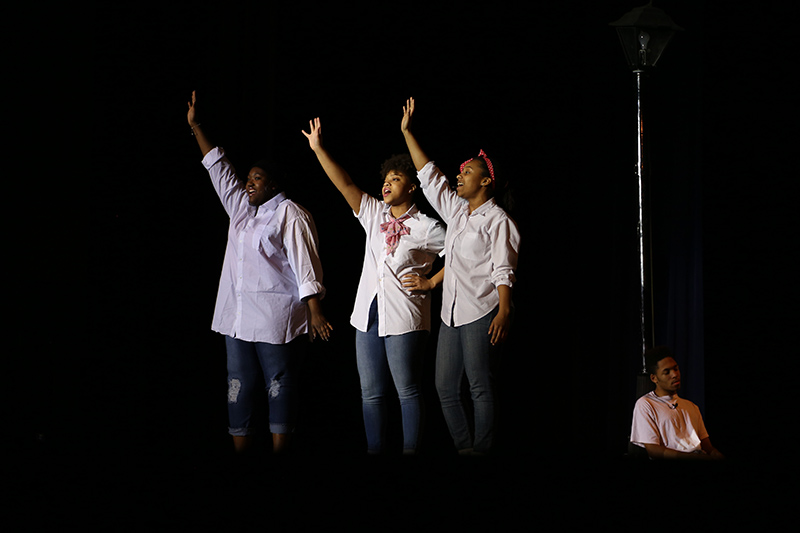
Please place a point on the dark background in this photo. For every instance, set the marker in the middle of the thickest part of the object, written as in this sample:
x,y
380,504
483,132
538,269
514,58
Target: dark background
x,y
130,381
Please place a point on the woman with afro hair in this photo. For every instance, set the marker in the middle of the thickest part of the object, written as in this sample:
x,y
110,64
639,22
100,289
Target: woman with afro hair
x,y
392,314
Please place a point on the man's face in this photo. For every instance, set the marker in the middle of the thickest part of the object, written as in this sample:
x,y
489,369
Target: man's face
x,y
667,378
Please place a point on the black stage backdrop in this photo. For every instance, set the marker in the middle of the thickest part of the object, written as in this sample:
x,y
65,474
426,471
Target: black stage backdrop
x,y
129,380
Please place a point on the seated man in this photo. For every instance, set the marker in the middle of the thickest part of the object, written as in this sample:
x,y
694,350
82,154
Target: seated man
x,y
667,426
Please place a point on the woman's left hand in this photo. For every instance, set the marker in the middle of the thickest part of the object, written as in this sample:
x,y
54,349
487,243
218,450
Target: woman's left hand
x,y
319,327
415,283
191,114
499,328
408,113
315,134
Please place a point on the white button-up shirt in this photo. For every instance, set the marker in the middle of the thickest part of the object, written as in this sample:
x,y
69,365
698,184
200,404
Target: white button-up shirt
x,y
481,250
399,310
271,262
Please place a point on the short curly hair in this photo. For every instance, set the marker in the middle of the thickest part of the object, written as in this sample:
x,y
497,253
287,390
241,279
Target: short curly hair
x,y
274,172
653,356
400,163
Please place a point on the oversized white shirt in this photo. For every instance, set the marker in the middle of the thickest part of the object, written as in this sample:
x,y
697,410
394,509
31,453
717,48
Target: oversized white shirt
x,y
668,421
399,310
271,262
481,250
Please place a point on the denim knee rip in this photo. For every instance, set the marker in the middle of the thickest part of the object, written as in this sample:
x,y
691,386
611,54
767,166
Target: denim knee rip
x,y
234,386
274,388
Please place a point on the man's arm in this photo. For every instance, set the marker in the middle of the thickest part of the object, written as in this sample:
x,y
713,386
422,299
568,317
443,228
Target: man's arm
x,y
709,449
656,451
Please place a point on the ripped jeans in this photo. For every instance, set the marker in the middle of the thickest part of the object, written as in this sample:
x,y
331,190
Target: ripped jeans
x,y
253,365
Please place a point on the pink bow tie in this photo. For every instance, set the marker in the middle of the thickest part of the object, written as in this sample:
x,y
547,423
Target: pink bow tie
x,y
393,230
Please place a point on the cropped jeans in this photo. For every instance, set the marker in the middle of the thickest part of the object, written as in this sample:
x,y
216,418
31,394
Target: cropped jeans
x,y
253,365
467,350
384,362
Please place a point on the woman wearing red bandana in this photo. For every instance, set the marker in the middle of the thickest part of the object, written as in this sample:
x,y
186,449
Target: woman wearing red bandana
x,y
481,251
392,308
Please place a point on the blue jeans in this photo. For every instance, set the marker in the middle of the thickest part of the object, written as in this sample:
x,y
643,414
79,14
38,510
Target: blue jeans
x,y
383,361
252,365
466,350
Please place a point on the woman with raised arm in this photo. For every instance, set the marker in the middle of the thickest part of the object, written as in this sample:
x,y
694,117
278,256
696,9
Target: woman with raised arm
x,y
392,308
481,250
269,291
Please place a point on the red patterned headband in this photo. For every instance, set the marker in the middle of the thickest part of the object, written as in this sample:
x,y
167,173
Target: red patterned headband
x,y
483,155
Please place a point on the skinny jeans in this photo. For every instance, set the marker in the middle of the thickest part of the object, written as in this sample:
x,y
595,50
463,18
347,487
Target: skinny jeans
x,y
462,351
388,364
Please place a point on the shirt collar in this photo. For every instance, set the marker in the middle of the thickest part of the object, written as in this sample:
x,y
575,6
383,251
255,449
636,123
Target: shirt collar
x,y
412,211
269,206
668,399
482,209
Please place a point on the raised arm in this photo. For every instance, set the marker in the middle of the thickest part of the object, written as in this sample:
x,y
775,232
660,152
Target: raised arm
x,y
417,155
339,176
192,116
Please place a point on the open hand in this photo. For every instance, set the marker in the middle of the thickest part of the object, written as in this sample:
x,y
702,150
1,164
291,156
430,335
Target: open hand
x,y
315,137
319,327
408,112
499,328
191,116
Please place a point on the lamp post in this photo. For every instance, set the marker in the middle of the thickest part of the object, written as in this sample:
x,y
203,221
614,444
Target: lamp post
x,y
644,33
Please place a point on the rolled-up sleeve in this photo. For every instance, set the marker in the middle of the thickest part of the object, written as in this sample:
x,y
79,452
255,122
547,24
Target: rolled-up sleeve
x,y
436,236
436,189
302,252
224,179
505,252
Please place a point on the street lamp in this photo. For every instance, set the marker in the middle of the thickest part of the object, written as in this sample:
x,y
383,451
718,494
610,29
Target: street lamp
x,y
644,33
